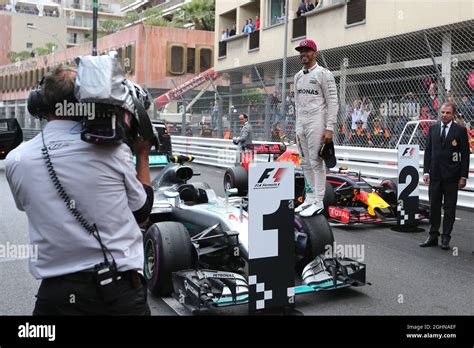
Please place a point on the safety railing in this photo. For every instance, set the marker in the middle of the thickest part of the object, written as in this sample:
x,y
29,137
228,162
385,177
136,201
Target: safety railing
x,y
373,164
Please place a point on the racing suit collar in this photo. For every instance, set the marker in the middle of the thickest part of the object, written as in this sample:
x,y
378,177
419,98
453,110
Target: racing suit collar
x,y
312,68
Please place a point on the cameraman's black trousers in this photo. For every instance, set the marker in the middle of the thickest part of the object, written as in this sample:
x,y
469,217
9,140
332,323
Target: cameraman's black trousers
x,y
78,294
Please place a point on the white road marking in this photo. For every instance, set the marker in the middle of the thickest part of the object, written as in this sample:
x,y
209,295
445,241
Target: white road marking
x,y
176,306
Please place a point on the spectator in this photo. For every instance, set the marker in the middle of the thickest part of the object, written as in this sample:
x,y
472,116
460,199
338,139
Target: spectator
x,y
356,113
247,28
465,109
379,136
257,23
359,136
251,24
365,115
425,126
233,31
225,34
275,101
304,7
432,101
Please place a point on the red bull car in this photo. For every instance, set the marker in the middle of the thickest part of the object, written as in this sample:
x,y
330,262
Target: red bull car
x,y
349,198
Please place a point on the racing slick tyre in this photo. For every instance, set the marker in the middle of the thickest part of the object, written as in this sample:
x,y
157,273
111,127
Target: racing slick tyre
x,y
236,177
168,249
329,199
319,235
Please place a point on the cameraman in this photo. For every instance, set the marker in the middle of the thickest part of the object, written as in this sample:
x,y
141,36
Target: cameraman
x,y
105,188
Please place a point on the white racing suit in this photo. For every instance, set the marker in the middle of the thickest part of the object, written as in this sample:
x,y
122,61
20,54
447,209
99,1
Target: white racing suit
x,y
316,111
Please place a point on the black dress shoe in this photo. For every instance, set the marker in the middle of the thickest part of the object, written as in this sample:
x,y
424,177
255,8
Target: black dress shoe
x,y
429,242
445,245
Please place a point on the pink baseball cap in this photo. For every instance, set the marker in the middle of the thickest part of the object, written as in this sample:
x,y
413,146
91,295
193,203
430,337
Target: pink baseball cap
x,y
307,44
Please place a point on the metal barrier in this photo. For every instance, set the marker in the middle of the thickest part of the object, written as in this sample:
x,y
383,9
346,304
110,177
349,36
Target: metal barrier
x,y
374,164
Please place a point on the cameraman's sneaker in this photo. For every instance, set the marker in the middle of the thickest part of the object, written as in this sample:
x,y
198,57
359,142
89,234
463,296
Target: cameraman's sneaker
x,y
315,208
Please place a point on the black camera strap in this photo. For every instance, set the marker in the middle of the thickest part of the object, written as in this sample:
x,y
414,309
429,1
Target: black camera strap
x,y
92,229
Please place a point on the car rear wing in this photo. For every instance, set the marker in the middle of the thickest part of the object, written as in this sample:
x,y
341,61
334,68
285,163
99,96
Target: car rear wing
x,y
267,149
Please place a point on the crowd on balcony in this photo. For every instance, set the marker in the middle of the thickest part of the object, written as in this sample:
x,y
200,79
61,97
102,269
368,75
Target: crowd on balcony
x,y
33,10
306,6
249,27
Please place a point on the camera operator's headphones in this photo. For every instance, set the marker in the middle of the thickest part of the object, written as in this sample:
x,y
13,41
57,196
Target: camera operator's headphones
x,y
36,105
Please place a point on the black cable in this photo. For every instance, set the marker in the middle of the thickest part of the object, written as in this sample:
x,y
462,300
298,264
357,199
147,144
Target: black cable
x,y
92,229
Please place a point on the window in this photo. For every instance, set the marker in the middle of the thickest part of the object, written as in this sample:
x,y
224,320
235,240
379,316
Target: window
x,y
277,11
254,40
29,45
205,59
222,49
191,69
355,11
1,83
176,59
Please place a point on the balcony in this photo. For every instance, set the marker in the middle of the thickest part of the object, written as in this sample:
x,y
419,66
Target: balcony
x,y
299,27
80,22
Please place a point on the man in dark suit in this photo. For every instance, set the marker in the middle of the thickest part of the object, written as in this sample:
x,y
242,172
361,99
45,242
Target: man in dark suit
x,y
446,169
245,136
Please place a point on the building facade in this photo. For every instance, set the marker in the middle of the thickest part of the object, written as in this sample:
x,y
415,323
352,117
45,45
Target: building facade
x,y
381,52
156,57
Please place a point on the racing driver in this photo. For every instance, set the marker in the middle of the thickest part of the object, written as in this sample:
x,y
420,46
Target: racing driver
x,y
316,114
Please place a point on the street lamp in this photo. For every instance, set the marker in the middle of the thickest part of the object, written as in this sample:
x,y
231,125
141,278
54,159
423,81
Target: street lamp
x,y
54,36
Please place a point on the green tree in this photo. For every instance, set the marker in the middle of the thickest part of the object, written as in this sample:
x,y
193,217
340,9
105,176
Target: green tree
x,y
154,16
41,51
18,56
50,45
131,17
110,26
199,12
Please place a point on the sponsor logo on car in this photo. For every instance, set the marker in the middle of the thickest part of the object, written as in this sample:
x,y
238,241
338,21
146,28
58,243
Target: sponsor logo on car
x,y
339,214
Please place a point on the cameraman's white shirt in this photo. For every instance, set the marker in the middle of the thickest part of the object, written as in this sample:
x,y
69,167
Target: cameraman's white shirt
x,y
102,182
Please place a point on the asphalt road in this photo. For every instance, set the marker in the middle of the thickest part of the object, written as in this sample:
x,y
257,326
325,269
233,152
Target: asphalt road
x,y
406,280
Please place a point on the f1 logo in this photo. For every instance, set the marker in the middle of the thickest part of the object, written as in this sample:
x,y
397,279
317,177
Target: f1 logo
x,y
408,152
266,175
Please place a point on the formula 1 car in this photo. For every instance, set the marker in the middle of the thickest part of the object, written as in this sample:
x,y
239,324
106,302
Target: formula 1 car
x,y
348,199
196,246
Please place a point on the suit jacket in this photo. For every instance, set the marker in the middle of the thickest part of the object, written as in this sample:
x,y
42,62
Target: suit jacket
x,y
245,136
448,161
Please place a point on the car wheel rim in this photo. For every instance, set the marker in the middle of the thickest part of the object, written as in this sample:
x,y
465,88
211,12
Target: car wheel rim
x,y
227,183
150,259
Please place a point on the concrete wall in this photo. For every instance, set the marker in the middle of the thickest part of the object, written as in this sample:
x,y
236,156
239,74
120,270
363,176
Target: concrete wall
x,y
155,70
21,35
